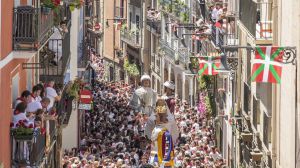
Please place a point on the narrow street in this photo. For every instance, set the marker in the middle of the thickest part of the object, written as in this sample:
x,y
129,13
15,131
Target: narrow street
x,y
113,135
149,84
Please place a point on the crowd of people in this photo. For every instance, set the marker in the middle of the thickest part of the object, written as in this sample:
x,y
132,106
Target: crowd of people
x,y
31,108
114,134
112,137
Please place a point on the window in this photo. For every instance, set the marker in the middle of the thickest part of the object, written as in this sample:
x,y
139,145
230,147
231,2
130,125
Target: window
x,y
130,20
137,19
15,87
256,113
267,130
111,73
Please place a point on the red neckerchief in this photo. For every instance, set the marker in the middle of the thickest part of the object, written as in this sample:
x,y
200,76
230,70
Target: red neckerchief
x,y
21,99
32,95
16,112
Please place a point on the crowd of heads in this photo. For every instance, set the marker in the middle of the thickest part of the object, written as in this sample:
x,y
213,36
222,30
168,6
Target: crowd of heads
x,y
196,147
113,134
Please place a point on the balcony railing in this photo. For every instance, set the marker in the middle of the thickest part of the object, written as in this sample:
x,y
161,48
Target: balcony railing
x,y
64,106
257,18
28,152
31,27
52,130
88,10
169,51
132,38
55,58
246,154
154,26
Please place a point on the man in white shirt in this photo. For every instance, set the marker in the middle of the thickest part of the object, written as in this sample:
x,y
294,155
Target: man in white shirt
x,y
52,95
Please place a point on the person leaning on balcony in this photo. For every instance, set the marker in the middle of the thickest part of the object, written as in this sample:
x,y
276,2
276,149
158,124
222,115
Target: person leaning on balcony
x,y
51,94
25,97
36,92
19,114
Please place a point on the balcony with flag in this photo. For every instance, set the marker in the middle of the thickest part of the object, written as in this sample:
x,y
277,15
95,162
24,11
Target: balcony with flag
x,y
256,17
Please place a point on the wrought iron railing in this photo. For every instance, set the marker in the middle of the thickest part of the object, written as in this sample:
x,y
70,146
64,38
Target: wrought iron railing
x,y
246,154
52,130
131,37
31,27
154,26
169,51
55,58
64,106
88,9
247,99
28,152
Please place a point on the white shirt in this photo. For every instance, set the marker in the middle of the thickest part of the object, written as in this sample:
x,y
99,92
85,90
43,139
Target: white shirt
x,y
214,13
34,106
51,94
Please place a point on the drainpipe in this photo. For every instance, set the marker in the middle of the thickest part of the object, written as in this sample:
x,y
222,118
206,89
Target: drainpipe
x,y
275,89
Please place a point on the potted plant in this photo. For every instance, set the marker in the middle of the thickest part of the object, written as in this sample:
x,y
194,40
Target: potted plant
x,y
73,89
124,27
75,4
48,5
22,131
194,66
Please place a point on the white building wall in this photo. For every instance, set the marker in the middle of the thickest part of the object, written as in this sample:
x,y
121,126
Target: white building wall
x,y
70,133
74,43
289,29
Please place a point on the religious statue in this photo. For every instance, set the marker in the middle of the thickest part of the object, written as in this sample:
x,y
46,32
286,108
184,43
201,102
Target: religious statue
x,y
144,98
162,137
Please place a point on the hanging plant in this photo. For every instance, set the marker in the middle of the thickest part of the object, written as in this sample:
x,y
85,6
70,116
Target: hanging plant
x,y
131,69
73,88
75,4
184,17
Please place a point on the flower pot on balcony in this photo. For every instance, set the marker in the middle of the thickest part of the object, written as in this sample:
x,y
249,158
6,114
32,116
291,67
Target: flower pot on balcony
x,y
46,10
256,155
24,137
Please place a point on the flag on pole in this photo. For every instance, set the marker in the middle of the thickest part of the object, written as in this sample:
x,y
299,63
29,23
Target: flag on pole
x,y
267,64
209,65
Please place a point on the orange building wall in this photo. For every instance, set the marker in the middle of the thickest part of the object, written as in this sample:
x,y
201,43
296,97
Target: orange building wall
x,y
6,27
6,75
108,31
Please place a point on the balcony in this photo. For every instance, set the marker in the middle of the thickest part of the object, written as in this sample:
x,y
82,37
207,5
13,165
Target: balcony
x,y
65,105
31,28
88,10
28,151
257,19
55,58
132,37
154,26
169,51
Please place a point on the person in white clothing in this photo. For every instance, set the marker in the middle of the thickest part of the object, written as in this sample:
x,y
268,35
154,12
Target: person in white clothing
x,y
144,98
51,94
36,92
